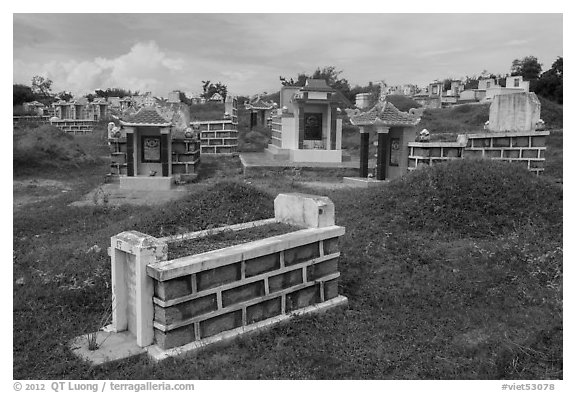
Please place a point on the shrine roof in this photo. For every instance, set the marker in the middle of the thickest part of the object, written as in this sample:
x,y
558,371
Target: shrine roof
x,y
147,116
386,114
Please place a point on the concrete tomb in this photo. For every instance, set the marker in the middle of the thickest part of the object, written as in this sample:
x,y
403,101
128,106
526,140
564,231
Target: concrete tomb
x,y
173,307
154,148
308,127
394,129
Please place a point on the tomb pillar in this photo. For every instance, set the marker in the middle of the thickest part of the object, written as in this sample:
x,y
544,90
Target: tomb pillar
x,y
364,146
165,150
382,146
301,126
130,140
132,288
333,133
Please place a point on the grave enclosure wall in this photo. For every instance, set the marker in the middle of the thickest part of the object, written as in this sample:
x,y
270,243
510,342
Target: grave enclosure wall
x,y
172,303
527,148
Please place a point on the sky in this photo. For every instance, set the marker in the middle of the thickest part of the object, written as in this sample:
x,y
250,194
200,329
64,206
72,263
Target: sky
x,y
248,52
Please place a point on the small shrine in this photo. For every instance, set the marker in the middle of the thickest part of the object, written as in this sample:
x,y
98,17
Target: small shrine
x,y
260,112
308,127
151,152
394,129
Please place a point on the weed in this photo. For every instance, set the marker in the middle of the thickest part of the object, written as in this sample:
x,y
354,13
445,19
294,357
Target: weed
x,y
92,337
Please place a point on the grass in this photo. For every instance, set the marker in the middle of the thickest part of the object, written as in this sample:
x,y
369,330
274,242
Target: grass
x,y
454,272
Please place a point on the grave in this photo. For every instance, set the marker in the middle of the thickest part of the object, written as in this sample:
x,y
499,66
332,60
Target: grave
x,y
174,307
511,136
308,126
394,129
154,148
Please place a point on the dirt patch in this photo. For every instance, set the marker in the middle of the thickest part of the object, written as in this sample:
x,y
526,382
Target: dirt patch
x,y
30,191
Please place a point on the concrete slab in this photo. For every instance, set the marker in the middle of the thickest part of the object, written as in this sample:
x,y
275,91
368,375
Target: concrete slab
x,y
264,160
364,182
113,346
264,164
115,195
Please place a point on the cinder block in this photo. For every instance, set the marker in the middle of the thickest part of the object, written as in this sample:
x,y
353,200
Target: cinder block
x,y
481,142
421,152
520,141
538,141
218,276
303,298
542,153
536,164
243,293
435,152
174,338
262,264
296,255
511,153
473,153
173,289
321,269
186,157
501,142
529,153
285,280
218,324
331,245
493,153
330,289
264,310
183,311
452,152
411,163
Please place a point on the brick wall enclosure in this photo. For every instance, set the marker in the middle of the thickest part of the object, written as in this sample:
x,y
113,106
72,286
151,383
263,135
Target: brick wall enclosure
x,y
202,295
528,148
186,303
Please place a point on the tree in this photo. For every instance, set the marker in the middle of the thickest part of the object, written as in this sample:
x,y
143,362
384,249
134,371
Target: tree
x,y
210,89
528,68
41,86
114,92
551,83
22,94
329,74
65,95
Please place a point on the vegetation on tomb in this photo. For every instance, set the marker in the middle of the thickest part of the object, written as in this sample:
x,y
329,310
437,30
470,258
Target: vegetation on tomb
x,y
42,145
207,111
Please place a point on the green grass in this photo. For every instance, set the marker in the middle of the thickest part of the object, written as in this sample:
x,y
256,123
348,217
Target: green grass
x,y
454,272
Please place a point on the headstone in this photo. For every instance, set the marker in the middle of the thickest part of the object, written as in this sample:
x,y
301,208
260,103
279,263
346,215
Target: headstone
x,y
514,112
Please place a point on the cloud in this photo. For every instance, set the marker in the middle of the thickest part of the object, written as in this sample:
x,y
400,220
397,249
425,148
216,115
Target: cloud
x,y
145,68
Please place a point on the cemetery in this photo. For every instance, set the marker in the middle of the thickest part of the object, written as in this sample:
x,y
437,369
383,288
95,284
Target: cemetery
x,y
257,269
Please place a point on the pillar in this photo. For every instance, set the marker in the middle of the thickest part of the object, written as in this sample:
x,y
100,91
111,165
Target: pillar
x,y
132,288
301,127
364,146
381,158
130,151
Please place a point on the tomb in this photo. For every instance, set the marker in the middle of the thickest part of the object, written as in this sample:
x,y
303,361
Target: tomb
x,y
511,136
308,127
394,130
260,112
170,307
154,148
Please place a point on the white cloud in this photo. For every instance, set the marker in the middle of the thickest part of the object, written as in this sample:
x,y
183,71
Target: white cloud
x,y
145,68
